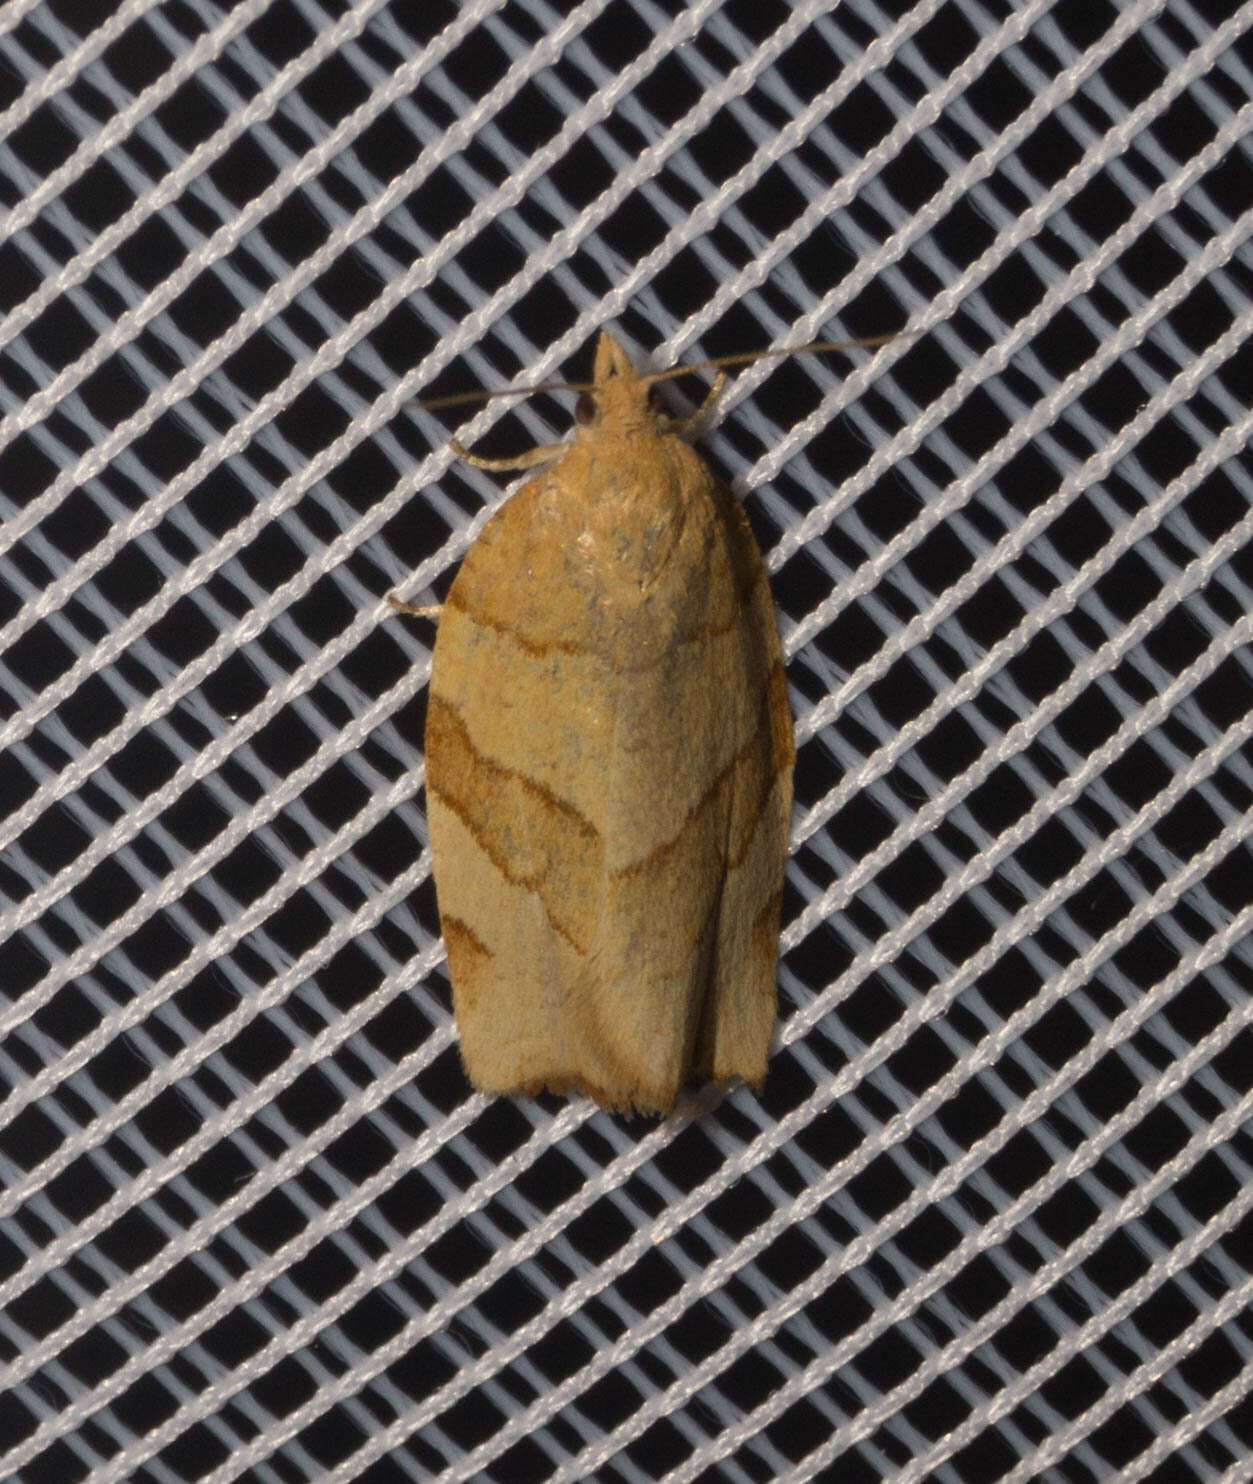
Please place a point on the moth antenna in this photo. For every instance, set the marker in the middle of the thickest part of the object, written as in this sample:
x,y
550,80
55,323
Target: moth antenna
x,y
466,399
747,357
717,363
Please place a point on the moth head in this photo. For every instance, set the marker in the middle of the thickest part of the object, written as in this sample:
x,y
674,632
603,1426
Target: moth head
x,y
619,395
612,361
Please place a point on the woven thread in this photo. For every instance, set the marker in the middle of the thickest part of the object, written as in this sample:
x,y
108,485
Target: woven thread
x,y
958,995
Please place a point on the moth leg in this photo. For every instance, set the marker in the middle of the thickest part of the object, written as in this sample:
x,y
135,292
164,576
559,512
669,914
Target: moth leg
x,y
684,424
416,610
545,454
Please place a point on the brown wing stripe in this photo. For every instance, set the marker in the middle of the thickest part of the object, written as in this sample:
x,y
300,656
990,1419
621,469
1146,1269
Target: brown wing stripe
x,y
447,733
551,837
780,760
538,649
459,935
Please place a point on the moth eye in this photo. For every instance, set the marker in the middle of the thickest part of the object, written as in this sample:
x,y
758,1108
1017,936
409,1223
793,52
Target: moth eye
x,y
655,402
585,410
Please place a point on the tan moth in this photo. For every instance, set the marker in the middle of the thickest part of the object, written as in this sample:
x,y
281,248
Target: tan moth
x,y
609,768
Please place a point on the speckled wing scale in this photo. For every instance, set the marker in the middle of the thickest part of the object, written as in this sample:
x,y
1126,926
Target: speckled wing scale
x,y
609,772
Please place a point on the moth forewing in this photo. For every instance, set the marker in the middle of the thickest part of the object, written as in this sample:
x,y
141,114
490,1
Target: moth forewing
x,y
609,772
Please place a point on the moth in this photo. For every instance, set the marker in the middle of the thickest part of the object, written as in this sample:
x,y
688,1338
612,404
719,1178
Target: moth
x,y
609,764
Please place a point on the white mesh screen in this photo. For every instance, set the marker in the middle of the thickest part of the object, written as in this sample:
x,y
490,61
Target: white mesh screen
x,y
990,1218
